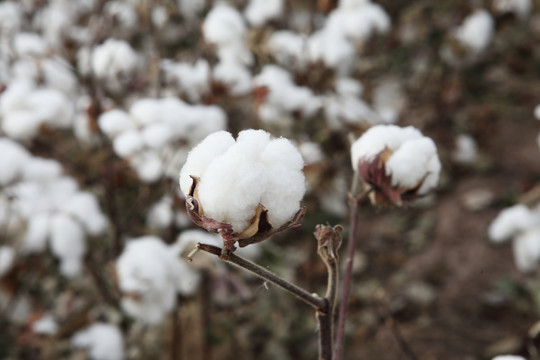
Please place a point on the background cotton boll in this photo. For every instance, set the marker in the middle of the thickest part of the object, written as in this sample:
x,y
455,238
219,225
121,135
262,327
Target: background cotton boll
x,y
235,77
145,111
332,49
103,341
526,247
537,112
311,152
192,80
160,215
288,48
115,122
466,150
58,75
14,158
7,258
509,222
10,17
128,143
15,96
68,244
388,100
156,136
148,165
521,8
113,58
476,31
84,207
210,119
223,24
201,155
259,12
189,8
37,232
508,357
21,125
29,44
39,169
349,86
46,325
159,16
51,106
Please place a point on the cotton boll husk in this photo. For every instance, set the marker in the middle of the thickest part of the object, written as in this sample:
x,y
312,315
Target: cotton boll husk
x,y
39,169
115,122
7,259
84,207
526,247
160,215
412,162
145,111
128,143
223,24
13,160
148,165
21,125
68,243
156,136
259,12
510,222
46,325
104,341
37,232
236,77
200,156
29,44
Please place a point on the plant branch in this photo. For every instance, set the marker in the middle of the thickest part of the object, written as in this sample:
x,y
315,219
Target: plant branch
x,y
347,279
311,299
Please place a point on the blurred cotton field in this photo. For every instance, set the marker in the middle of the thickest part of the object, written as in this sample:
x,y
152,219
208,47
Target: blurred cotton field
x,y
102,102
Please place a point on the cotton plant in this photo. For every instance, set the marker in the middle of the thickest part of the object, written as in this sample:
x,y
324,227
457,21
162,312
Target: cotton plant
x,y
470,40
150,276
521,225
148,134
103,341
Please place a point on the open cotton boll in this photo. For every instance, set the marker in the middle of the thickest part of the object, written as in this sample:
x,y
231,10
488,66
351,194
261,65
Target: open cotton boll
x,y
7,258
14,97
332,49
68,243
209,120
192,80
84,206
360,22
156,136
21,125
289,49
29,44
13,160
58,74
115,122
476,31
160,215
39,169
103,341
128,143
510,222
37,232
190,9
508,357
46,325
113,58
537,112
145,111
148,165
259,12
11,16
234,76
223,24
51,106
526,247
466,150
521,8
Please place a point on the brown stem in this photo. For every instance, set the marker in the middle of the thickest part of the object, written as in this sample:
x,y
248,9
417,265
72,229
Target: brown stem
x,y
324,317
311,299
347,278
176,330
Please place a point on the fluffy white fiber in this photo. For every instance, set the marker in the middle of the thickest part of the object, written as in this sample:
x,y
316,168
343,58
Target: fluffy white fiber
x,y
476,31
508,357
466,150
510,222
46,325
521,8
103,341
238,175
114,58
413,156
150,275
7,258
259,12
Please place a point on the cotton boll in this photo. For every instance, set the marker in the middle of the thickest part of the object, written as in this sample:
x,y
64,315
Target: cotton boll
x,y
201,155
14,158
103,341
51,106
289,49
311,152
209,120
15,96
114,58
156,136
115,122
388,100
259,12
39,169
521,8
476,31
235,77
11,16
37,232
21,125
160,215
54,20
7,258
466,150
128,143
46,325
510,222
159,17
148,165
29,44
508,357
145,111
58,75
68,244
192,80
537,112
124,14
223,24
84,207
526,247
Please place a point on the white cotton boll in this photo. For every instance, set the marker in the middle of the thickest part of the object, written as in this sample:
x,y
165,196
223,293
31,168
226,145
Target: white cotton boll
x,y
349,87
156,136
54,20
508,357
360,23
288,48
124,13
159,16
58,74
521,8
311,152
148,165
128,143
113,58
160,215
413,163
21,125
235,77
37,232
332,49
466,150
7,259
11,16
46,325
526,247
115,122
14,158
348,109
259,12
84,207
145,111
51,106
15,96
510,222
388,100
192,80
68,243
174,159
201,155
40,169
29,44
537,112
175,114
476,31
103,341
209,120
223,24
